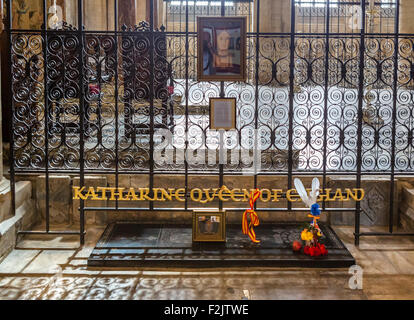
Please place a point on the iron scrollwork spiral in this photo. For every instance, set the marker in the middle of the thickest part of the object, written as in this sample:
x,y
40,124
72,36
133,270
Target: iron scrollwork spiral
x,y
119,65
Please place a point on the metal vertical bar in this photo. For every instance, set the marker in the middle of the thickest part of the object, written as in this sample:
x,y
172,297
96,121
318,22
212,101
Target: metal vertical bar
x,y
302,29
194,29
394,115
116,101
168,10
338,16
221,134
107,14
82,124
360,115
325,123
222,13
46,114
256,116
9,26
291,94
186,101
151,98
250,17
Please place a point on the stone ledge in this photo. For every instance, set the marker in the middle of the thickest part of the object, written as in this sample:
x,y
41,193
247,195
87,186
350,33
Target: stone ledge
x,y
406,216
406,208
408,197
406,223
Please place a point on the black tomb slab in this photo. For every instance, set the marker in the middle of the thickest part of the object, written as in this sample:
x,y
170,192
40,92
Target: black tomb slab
x,y
126,244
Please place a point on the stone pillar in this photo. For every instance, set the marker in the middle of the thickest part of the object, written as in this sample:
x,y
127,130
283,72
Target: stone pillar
x,y
1,127
71,12
4,183
141,10
265,16
5,81
155,11
275,15
127,13
406,16
281,16
161,10
1,18
95,15
111,15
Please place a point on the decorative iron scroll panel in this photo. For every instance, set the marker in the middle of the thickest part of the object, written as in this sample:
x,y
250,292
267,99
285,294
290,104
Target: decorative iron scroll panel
x,y
116,99
63,82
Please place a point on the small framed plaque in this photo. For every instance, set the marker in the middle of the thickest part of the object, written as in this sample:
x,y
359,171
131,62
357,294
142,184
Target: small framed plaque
x,y
209,225
222,113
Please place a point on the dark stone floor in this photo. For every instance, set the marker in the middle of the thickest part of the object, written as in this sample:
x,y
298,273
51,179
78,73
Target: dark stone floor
x,y
126,244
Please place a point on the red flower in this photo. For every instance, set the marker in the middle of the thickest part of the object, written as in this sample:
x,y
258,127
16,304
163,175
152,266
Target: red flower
x,y
296,246
316,252
323,249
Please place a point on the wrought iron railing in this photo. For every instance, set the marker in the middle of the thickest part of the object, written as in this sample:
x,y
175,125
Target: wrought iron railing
x,y
325,103
63,89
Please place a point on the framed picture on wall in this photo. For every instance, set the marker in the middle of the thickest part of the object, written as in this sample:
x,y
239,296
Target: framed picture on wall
x,y
222,113
209,225
221,48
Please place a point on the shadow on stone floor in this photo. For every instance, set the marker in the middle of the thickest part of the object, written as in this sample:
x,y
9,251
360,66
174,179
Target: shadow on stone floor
x,y
29,272
203,287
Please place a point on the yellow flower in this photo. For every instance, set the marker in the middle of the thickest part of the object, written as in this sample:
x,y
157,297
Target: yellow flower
x,y
306,235
319,234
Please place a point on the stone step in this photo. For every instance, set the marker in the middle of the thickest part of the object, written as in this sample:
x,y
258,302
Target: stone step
x,y
24,218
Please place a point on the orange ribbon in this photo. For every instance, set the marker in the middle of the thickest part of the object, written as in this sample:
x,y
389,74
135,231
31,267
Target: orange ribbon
x,y
315,221
254,219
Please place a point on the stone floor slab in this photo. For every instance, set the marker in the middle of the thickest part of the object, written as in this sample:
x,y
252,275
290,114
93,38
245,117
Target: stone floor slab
x,y
17,260
46,261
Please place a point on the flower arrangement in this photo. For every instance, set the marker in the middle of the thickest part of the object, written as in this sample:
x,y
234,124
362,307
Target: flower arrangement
x,y
312,236
311,233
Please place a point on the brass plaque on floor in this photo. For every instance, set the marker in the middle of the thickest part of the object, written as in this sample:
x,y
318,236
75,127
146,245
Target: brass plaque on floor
x,y
209,225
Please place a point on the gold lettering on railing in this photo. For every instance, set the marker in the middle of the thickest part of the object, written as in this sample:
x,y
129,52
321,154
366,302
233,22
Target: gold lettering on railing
x,y
206,195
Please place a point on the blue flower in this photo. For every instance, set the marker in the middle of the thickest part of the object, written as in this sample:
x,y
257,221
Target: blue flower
x,y
315,211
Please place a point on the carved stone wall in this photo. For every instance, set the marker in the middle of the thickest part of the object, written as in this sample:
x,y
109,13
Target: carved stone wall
x,y
374,206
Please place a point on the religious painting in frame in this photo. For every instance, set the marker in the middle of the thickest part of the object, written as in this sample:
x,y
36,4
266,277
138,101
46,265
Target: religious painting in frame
x,y
222,113
209,225
28,14
221,48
